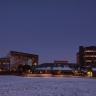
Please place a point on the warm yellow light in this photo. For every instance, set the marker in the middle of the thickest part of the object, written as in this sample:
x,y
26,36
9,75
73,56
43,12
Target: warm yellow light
x,y
58,72
76,72
88,60
40,71
35,63
89,73
88,50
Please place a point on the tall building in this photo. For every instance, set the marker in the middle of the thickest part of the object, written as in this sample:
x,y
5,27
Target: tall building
x,y
86,55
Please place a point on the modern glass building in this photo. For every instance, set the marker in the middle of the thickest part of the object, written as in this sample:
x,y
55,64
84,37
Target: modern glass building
x,y
14,59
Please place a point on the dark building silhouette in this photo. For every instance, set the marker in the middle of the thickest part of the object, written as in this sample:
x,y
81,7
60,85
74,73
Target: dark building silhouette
x,y
86,55
60,62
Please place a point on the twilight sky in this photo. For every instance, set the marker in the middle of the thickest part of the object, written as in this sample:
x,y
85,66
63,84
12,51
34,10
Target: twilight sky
x,y
52,29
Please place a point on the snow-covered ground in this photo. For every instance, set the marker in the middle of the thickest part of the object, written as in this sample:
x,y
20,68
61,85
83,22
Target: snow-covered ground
x,y
49,86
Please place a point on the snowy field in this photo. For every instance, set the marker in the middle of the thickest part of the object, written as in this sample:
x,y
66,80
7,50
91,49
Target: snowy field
x,y
50,86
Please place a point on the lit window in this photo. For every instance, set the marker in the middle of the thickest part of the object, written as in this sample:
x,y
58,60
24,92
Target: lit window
x,y
3,63
41,72
88,50
35,63
89,55
88,61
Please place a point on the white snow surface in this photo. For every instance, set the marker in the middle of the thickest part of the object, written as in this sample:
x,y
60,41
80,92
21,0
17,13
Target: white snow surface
x,y
47,86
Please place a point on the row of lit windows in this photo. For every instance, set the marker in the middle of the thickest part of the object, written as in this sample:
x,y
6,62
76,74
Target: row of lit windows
x,y
88,60
90,51
90,56
21,57
4,63
9,63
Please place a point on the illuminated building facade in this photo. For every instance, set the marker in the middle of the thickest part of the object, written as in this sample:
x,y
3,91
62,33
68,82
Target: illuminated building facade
x,y
55,69
4,63
86,55
14,59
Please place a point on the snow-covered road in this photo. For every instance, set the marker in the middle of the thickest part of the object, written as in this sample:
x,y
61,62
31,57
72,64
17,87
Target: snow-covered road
x,y
50,86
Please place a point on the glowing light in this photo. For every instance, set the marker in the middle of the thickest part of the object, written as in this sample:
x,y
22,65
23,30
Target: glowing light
x,y
35,63
89,74
76,72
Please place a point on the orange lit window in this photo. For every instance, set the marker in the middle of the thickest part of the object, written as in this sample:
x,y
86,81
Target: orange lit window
x,y
88,61
88,50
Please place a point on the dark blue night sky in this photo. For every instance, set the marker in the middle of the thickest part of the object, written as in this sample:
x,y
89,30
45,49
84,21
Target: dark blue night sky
x,y
53,29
